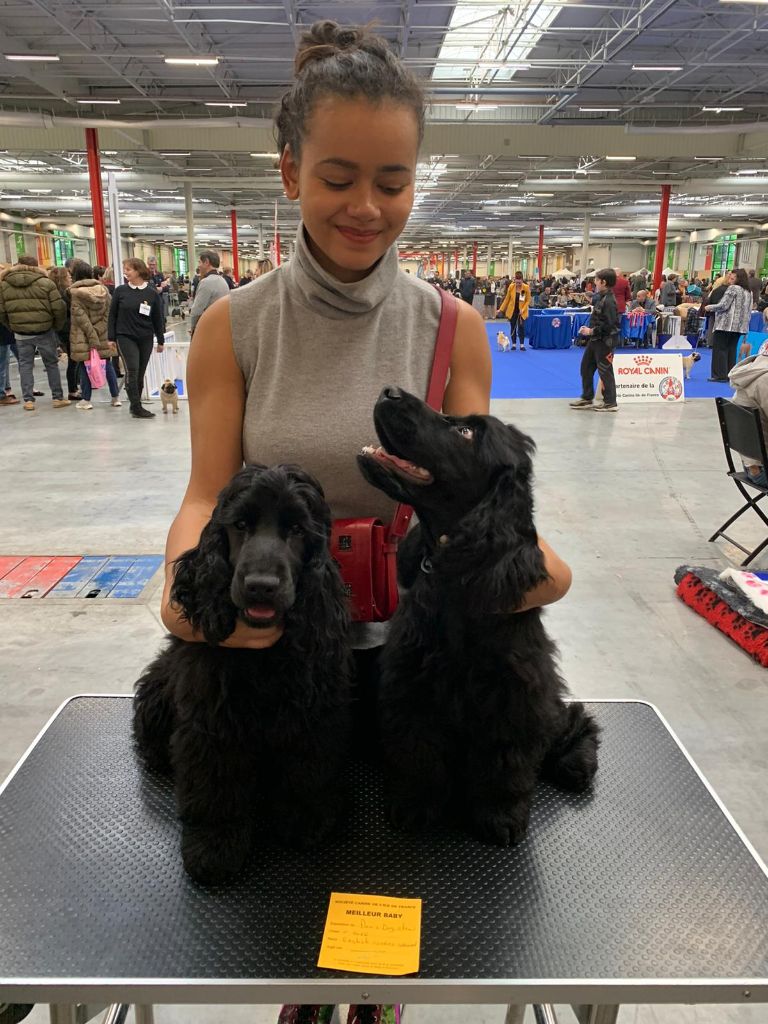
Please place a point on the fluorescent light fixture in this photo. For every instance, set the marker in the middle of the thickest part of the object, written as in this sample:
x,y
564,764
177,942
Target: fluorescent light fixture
x,y
689,215
110,102
273,155
599,110
657,67
543,195
621,158
40,190
175,154
219,103
195,61
31,56
476,106
723,110
715,158
750,170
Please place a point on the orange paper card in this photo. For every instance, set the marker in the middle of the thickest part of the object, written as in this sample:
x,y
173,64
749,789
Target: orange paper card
x,y
371,934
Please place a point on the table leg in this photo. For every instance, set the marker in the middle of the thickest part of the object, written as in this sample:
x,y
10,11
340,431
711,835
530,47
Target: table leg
x,y
144,1014
596,1014
544,1013
63,1013
515,1013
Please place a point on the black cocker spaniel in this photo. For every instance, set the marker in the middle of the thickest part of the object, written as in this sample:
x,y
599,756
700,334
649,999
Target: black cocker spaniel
x,y
472,708
239,728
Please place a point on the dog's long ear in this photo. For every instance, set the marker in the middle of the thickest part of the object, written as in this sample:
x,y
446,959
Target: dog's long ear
x,y
312,494
201,585
494,550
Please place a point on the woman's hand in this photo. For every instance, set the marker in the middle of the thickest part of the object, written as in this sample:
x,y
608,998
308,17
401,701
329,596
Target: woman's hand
x,y
160,348
243,636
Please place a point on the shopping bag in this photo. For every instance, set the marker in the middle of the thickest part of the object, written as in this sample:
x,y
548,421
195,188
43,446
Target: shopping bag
x,y
95,367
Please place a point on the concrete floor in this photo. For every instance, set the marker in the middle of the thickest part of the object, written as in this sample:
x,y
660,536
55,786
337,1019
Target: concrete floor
x,y
623,498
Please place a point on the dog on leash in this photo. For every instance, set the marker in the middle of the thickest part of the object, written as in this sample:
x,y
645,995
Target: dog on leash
x,y
688,362
472,707
169,395
502,341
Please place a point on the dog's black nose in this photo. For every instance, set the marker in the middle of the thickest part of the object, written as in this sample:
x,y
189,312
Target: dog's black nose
x,y
392,393
261,587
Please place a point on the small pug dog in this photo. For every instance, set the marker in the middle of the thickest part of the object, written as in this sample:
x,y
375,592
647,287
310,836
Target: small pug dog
x,y
169,396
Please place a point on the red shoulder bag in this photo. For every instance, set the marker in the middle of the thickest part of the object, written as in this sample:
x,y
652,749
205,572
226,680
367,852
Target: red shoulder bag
x,y
366,549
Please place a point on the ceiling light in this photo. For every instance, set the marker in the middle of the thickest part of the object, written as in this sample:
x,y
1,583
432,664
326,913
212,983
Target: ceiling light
x,y
31,56
689,215
723,110
543,195
39,190
599,110
273,155
621,158
219,103
196,61
658,67
747,170
112,102
175,154
477,106
708,158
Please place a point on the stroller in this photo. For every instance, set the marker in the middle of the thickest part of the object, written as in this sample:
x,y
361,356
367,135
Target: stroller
x,y
180,303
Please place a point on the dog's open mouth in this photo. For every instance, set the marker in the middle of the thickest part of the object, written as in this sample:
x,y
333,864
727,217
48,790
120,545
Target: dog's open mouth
x,y
416,473
260,615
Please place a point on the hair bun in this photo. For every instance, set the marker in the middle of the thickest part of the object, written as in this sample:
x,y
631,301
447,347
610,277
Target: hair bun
x,y
324,39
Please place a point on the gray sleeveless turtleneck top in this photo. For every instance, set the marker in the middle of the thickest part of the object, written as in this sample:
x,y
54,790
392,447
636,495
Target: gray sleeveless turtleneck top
x,y
315,353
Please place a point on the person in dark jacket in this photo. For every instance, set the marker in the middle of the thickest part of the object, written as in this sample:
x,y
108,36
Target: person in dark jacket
x,y
62,278
467,287
602,334
32,307
622,291
135,315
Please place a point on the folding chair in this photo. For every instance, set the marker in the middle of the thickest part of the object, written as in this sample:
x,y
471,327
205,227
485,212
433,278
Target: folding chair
x,y
743,433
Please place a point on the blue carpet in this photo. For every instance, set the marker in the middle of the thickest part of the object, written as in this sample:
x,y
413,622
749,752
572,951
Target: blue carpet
x,y
554,373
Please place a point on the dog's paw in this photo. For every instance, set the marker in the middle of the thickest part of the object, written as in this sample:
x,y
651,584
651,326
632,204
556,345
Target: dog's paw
x,y
502,827
214,856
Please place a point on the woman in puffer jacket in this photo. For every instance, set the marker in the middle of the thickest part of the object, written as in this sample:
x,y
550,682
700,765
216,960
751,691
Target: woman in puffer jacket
x,y
88,329
732,315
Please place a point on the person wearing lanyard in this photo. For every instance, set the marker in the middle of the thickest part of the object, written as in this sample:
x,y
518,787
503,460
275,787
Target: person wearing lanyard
x,y
135,315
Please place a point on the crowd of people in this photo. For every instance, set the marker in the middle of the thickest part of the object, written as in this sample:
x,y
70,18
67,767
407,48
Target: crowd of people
x,y
79,312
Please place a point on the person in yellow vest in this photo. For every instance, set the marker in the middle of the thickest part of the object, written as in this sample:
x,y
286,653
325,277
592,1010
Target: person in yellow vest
x,y
515,306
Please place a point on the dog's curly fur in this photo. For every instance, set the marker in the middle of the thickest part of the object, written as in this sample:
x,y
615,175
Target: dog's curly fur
x,y
472,706
235,726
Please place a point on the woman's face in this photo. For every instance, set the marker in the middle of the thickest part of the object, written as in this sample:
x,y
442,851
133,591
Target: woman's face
x,y
132,276
731,279
355,181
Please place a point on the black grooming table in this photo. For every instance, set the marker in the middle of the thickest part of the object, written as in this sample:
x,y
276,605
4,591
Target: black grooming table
x,y
643,891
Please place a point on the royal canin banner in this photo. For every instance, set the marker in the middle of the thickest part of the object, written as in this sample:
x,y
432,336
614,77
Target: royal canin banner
x,y
649,377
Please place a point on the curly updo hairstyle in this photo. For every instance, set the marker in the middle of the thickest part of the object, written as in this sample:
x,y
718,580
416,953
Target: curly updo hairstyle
x,y
346,61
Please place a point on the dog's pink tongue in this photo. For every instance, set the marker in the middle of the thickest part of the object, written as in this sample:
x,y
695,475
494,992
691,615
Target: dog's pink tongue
x,y
261,611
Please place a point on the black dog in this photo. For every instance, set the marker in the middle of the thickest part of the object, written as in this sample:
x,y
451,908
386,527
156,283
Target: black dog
x,y
472,707
235,725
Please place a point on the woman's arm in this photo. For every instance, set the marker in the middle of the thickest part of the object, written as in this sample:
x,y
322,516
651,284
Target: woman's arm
x,y
469,393
157,319
112,323
216,410
726,302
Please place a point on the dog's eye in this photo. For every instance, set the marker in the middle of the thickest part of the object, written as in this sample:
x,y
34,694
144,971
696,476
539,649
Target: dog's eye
x,y
297,530
241,525
465,431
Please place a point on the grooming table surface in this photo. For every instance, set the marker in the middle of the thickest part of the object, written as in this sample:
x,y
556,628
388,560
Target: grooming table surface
x,y
641,891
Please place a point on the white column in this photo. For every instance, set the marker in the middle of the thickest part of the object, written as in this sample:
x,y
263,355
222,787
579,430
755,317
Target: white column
x,y
191,256
585,246
261,241
511,249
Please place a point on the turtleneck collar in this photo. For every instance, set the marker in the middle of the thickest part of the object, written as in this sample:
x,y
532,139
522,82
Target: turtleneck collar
x,y
332,298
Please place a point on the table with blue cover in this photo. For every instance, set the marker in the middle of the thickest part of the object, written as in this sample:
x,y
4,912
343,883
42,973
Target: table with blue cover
x,y
642,890
554,328
635,331
756,321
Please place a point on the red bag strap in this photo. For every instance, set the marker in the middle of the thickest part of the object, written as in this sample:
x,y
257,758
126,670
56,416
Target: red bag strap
x,y
438,378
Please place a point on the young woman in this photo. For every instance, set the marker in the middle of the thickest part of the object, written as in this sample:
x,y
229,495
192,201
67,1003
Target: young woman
x,y
89,304
135,315
732,313
288,369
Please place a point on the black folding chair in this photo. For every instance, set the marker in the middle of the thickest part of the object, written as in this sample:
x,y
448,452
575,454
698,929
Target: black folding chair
x,y
743,433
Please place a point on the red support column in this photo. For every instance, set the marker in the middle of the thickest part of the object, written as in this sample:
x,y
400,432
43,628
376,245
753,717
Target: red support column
x,y
235,264
661,237
540,268
97,204
474,259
